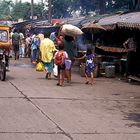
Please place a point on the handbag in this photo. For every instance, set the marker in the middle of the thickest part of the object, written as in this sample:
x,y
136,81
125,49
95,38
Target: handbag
x,y
39,67
67,64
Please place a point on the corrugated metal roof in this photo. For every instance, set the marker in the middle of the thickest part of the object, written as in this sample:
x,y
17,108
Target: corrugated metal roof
x,y
109,20
130,17
129,20
128,25
121,20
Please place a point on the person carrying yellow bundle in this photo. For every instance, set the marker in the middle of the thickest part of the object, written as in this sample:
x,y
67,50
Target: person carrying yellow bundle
x,y
47,49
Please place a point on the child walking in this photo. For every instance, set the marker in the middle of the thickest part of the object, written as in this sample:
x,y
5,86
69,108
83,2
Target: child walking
x,y
89,66
59,60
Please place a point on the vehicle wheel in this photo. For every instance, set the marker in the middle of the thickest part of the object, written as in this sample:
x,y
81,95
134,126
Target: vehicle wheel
x,y
2,72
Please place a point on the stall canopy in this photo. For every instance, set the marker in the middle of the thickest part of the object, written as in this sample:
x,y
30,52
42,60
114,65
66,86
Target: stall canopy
x,y
112,49
128,20
123,20
92,27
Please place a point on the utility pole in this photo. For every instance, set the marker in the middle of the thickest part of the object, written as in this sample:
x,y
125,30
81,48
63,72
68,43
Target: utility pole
x,y
32,9
42,8
50,11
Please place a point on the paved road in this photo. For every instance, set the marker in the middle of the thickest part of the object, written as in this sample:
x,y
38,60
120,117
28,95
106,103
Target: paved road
x,y
33,108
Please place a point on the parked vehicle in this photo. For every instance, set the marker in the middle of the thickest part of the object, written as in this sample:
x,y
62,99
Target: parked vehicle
x,y
4,50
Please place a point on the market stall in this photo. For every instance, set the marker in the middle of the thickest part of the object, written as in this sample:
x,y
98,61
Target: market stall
x,y
109,43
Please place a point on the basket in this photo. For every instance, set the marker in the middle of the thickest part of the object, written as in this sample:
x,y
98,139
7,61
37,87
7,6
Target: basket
x,y
110,71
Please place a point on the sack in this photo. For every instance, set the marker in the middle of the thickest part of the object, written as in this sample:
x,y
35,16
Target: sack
x,y
39,66
59,60
71,30
68,64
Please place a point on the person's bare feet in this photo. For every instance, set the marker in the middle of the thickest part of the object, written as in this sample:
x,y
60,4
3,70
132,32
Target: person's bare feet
x,y
92,83
62,84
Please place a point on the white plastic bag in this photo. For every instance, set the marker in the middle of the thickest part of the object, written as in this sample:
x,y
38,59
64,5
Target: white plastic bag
x,y
55,70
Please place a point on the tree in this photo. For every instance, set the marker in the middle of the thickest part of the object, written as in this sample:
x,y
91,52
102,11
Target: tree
x,y
5,9
23,10
64,8
49,11
134,5
32,9
61,8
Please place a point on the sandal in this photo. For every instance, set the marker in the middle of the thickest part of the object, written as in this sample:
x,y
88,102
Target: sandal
x,y
87,82
58,84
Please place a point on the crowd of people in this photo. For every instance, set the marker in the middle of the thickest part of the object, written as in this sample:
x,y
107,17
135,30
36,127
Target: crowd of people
x,y
51,50
20,45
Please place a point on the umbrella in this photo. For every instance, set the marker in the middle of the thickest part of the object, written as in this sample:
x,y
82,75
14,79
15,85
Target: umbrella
x,y
92,27
71,30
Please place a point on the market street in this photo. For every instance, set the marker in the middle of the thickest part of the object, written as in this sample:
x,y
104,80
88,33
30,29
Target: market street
x,y
33,108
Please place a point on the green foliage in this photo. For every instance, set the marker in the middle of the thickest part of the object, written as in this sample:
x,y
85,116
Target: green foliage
x,y
5,9
63,8
121,4
20,10
38,10
134,5
23,10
